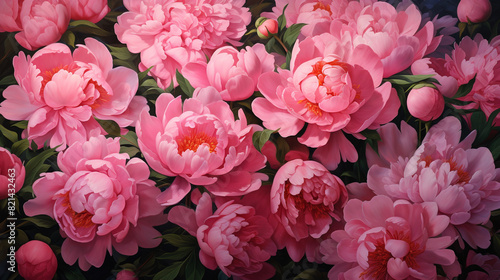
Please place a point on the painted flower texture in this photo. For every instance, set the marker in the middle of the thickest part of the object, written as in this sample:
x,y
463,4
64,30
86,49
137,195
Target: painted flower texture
x,y
61,94
331,86
461,180
101,201
200,142
170,33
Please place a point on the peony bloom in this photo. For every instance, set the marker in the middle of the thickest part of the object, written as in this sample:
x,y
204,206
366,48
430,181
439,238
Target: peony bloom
x,y
462,181
36,261
61,94
231,72
425,103
474,10
490,263
471,58
126,275
42,22
332,87
100,201
12,173
242,242
266,27
201,143
9,15
170,33
91,10
306,199
383,239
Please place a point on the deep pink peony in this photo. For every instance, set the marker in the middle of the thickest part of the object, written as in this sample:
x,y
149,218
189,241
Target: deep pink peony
x,y
169,33
126,275
60,93
462,181
12,174
332,87
36,261
201,143
233,73
383,239
471,58
474,10
307,199
91,10
42,22
100,201
233,238
425,103
490,264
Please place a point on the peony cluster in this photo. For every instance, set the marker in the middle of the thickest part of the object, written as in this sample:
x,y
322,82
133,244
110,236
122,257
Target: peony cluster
x,y
100,201
170,33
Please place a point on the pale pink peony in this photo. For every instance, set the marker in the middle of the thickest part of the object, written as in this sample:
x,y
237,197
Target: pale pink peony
x,y
332,87
91,10
169,33
61,94
306,199
233,73
490,263
36,261
462,181
100,201
233,238
383,239
42,22
474,10
425,103
471,58
201,143
12,174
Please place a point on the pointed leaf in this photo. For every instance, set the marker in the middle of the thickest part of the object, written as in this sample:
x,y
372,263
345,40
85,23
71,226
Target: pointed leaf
x,y
186,87
465,89
291,35
170,272
259,138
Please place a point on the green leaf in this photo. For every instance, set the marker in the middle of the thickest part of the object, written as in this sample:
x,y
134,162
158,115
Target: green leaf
x,y
111,127
21,124
186,87
194,269
68,37
259,138
42,221
371,134
129,138
9,134
43,238
35,166
8,80
180,240
282,19
291,35
270,44
20,146
121,53
481,125
465,89
456,101
144,73
130,150
406,80
495,148
87,27
180,254
170,272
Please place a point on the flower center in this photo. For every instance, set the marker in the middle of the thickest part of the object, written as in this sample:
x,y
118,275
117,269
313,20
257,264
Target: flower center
x,y
322,69
316,210
463,176
48,74
322,6
193,140
312,107
103,95
80,219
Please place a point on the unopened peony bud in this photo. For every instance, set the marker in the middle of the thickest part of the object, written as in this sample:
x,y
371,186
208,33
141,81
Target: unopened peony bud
x,y
36,261
126,275
266,27
474,10
425,103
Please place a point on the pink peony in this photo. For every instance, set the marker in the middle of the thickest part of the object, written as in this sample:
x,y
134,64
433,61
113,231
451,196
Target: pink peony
x,y
474,10
462,181
91,10
170,33
233,73
425,103
9,16
388,240
306,198
490,263
36,261
42,22
266,27
234,238
126,275
12,174
60,93
201,143
332,87
100,201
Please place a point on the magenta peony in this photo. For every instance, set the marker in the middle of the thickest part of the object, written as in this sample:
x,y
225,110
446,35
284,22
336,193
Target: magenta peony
x,y
36,261
12,174
463,182
332,87
91,10
201,143
170,33
60,93
474,10
307,199
233,238
425,103
100,201
233,73
383,239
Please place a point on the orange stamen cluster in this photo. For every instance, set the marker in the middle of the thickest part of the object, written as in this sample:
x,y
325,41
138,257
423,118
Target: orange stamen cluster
x,y
48,74
316,210
80,219
464,176
193,140
312,107
322,6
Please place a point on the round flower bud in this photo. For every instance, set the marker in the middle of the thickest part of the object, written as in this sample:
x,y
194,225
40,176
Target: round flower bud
x,y
266,27
425,103
36,260
474,10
